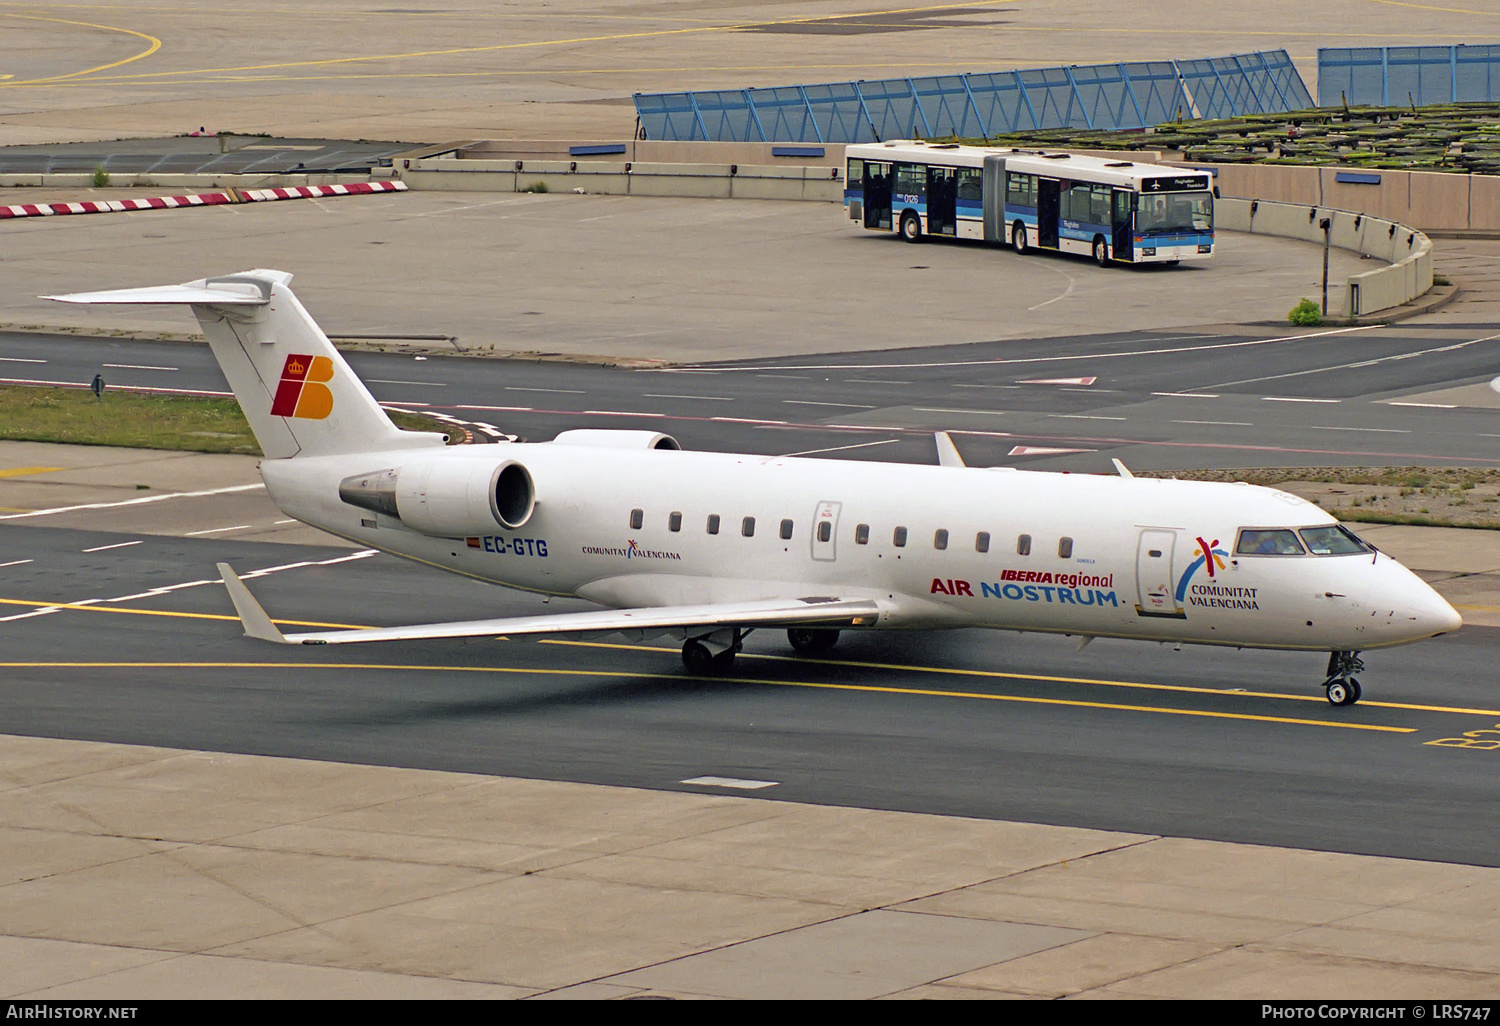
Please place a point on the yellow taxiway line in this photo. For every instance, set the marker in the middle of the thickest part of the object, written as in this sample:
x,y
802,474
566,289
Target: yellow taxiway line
x,y
155,45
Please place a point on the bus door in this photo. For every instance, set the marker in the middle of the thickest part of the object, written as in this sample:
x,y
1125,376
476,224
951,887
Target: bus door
x,y
877,188
942,201
1048,206
1123,247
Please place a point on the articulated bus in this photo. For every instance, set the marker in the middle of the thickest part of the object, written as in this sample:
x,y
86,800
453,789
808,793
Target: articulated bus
x,y
1112,210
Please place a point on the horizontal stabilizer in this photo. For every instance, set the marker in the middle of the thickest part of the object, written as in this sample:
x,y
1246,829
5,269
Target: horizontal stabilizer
x,y
801,612
210,292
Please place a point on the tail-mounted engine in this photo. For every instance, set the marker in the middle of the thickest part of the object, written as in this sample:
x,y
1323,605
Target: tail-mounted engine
x,y
447,498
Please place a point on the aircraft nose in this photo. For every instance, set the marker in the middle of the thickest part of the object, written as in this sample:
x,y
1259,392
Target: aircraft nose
x,y
1441,616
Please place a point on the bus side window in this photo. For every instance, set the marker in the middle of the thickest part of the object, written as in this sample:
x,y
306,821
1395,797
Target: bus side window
x,y
856,172
970,185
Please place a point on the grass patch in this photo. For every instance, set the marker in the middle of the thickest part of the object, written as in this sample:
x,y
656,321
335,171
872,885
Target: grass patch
x,y
138,420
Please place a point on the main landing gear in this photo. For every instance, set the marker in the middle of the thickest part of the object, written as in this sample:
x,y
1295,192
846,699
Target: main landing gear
x,y
812,642
1341,687
712,654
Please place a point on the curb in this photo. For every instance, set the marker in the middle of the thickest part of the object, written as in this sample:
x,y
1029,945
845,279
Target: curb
x,y
201,199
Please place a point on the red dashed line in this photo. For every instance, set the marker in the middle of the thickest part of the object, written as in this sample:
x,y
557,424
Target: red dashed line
x,y
202,199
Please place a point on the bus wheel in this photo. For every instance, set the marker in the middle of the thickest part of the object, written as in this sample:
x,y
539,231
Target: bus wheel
x,y
1101,251
1018,236
911,228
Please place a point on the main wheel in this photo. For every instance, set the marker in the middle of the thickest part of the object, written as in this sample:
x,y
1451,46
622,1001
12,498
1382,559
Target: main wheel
x,y
1101,251
724,661
1018,237
911,227
809,642
698,659
1356,691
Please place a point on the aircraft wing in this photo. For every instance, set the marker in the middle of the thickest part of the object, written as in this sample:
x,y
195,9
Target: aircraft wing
x,y
816,611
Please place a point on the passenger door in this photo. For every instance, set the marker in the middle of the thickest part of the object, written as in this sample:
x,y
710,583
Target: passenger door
x,y
942,201
1048,206
1123,246
877,190
1154,575
825,532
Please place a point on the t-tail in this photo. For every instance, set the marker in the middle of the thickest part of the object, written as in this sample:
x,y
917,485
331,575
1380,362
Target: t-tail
x,y
298,394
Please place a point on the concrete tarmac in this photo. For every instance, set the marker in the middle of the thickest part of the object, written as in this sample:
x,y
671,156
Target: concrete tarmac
x,y
567,69
634,279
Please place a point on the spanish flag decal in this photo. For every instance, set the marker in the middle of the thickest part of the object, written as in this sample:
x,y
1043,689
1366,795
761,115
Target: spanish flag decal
x,y
303,391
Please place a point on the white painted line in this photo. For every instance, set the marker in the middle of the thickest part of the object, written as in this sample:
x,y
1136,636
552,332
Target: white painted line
x,y
133,502
1081,416
1362,363
1293,399
116,545
284,521
812,402
19,359
873,381
138,366
1384,431
841,448
1217,423
16,562
559,391
705,398
741,785
746,420
1059,359
420,384
218,530
976,413
987,386
1428,406
620,413
1189,395
1042,450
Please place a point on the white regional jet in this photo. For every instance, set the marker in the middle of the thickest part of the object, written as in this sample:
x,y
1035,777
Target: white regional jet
x,y
708,546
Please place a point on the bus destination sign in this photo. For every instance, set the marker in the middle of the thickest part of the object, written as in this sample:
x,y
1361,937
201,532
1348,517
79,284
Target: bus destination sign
x,y
1174,183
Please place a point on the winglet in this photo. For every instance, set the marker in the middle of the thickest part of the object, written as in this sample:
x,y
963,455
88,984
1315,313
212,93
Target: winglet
x,y
947,452
257,623
1124,471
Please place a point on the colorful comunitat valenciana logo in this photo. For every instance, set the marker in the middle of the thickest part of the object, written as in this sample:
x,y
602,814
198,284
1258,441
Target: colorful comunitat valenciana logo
x,y
633,551
303,391
1212,593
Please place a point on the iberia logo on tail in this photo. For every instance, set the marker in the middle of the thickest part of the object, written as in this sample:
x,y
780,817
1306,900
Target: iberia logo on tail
x,y
302,391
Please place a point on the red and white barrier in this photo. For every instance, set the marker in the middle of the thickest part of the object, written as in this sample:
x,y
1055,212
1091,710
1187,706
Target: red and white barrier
x,y
202,199
314,191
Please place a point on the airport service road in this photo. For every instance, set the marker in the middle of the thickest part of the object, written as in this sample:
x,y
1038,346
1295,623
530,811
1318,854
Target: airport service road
x,y
1269,397
1203,743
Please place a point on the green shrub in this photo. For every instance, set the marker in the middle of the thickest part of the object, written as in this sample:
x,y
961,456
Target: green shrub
x,y
1306,313
536,187
101,177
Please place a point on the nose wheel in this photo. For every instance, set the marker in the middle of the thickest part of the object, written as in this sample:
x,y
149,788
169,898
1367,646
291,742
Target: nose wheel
x,y
1341,687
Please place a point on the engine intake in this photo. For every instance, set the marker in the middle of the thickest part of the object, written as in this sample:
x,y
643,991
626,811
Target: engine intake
x,y
606,438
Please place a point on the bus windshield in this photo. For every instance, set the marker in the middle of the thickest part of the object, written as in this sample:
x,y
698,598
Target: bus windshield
x,y
1175,212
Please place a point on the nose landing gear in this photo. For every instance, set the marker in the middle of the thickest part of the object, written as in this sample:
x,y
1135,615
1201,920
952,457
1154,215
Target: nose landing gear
x,y
1341,687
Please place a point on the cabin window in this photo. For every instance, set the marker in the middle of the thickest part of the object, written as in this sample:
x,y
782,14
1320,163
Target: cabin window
x,y
674,521
786,530
825,531
940,539
1337,540
982,541
1065,548
713,523
1023,545
862,534
898,538
1268,543
747,527
637,518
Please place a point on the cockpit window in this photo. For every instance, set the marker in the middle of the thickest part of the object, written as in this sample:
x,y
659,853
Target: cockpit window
x,y
1337,540
1268,543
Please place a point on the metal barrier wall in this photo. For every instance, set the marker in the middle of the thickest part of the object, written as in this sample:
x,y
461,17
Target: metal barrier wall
x,y
1135,94
1402,75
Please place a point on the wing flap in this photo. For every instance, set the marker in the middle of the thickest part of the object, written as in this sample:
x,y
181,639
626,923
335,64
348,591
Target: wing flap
x,y
815,611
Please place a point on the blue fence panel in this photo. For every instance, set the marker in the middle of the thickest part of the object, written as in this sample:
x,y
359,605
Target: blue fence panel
x,y
1138,94
1157,90
1399,75
1476,72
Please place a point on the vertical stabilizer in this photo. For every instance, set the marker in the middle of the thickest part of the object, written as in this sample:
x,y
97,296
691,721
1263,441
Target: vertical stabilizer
x,y
298,394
